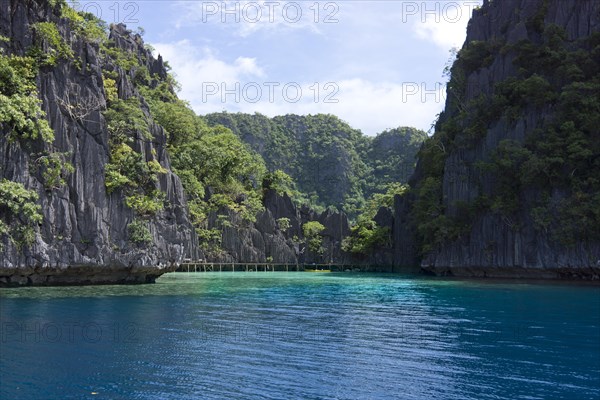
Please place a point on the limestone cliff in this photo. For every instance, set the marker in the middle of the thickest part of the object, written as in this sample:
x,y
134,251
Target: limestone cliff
x,y
84,237
267,240
506,186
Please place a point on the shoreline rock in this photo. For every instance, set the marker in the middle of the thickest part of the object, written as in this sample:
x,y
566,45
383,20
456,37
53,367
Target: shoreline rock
x,y
82,275
515,273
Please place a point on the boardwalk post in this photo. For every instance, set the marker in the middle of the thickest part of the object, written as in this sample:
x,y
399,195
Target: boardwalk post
x,y
204,266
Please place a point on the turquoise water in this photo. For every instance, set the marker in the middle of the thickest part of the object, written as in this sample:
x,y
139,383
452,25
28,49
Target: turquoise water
x,y
301,336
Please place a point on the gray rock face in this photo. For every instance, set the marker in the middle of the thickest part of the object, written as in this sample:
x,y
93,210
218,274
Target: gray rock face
x,y
84,232
264,240
493,248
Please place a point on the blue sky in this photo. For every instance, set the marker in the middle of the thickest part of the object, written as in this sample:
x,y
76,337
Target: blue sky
x,y
375,64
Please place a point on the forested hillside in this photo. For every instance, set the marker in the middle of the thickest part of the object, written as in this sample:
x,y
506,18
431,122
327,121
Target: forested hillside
x,y
332,163
391,157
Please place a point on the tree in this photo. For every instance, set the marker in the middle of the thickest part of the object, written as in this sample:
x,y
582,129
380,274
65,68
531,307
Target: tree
x,y
283,223
279,181
366,235
312,232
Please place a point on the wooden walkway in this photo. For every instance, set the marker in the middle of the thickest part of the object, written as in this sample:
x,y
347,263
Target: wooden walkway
x,y
200,266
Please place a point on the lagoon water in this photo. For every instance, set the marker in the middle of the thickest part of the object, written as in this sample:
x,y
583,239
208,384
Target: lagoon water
x,y
301,336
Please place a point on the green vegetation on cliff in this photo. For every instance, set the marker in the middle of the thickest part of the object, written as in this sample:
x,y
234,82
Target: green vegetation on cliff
x,y
19,213
20,108
219,173
331,163
22,117
317,151
312,232
129,172
560,157
551,177
50,45
391,156
367,235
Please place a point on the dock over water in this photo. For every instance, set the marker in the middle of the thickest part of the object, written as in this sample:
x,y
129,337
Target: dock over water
x,y
203,266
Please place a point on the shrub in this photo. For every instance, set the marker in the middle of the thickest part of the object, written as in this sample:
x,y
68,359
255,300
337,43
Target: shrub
x,y
23,118
85,24
110,88
142,76
127,171
477,54
114,179
20,109
118,56
174,115
210,240
283,223
54,169
280,182
365,238
155,168
47,33
125,119
146,205
221,161
139,232
19,213
366,235
126,168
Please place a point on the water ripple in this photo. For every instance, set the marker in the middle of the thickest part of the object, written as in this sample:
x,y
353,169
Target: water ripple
x,y
298,335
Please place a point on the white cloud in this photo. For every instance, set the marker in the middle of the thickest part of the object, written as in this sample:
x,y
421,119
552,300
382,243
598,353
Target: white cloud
x,y
365,104
445,24
374,106
194,66
248,17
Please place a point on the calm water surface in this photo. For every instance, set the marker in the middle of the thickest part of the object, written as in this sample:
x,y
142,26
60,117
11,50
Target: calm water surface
x,y
301,336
